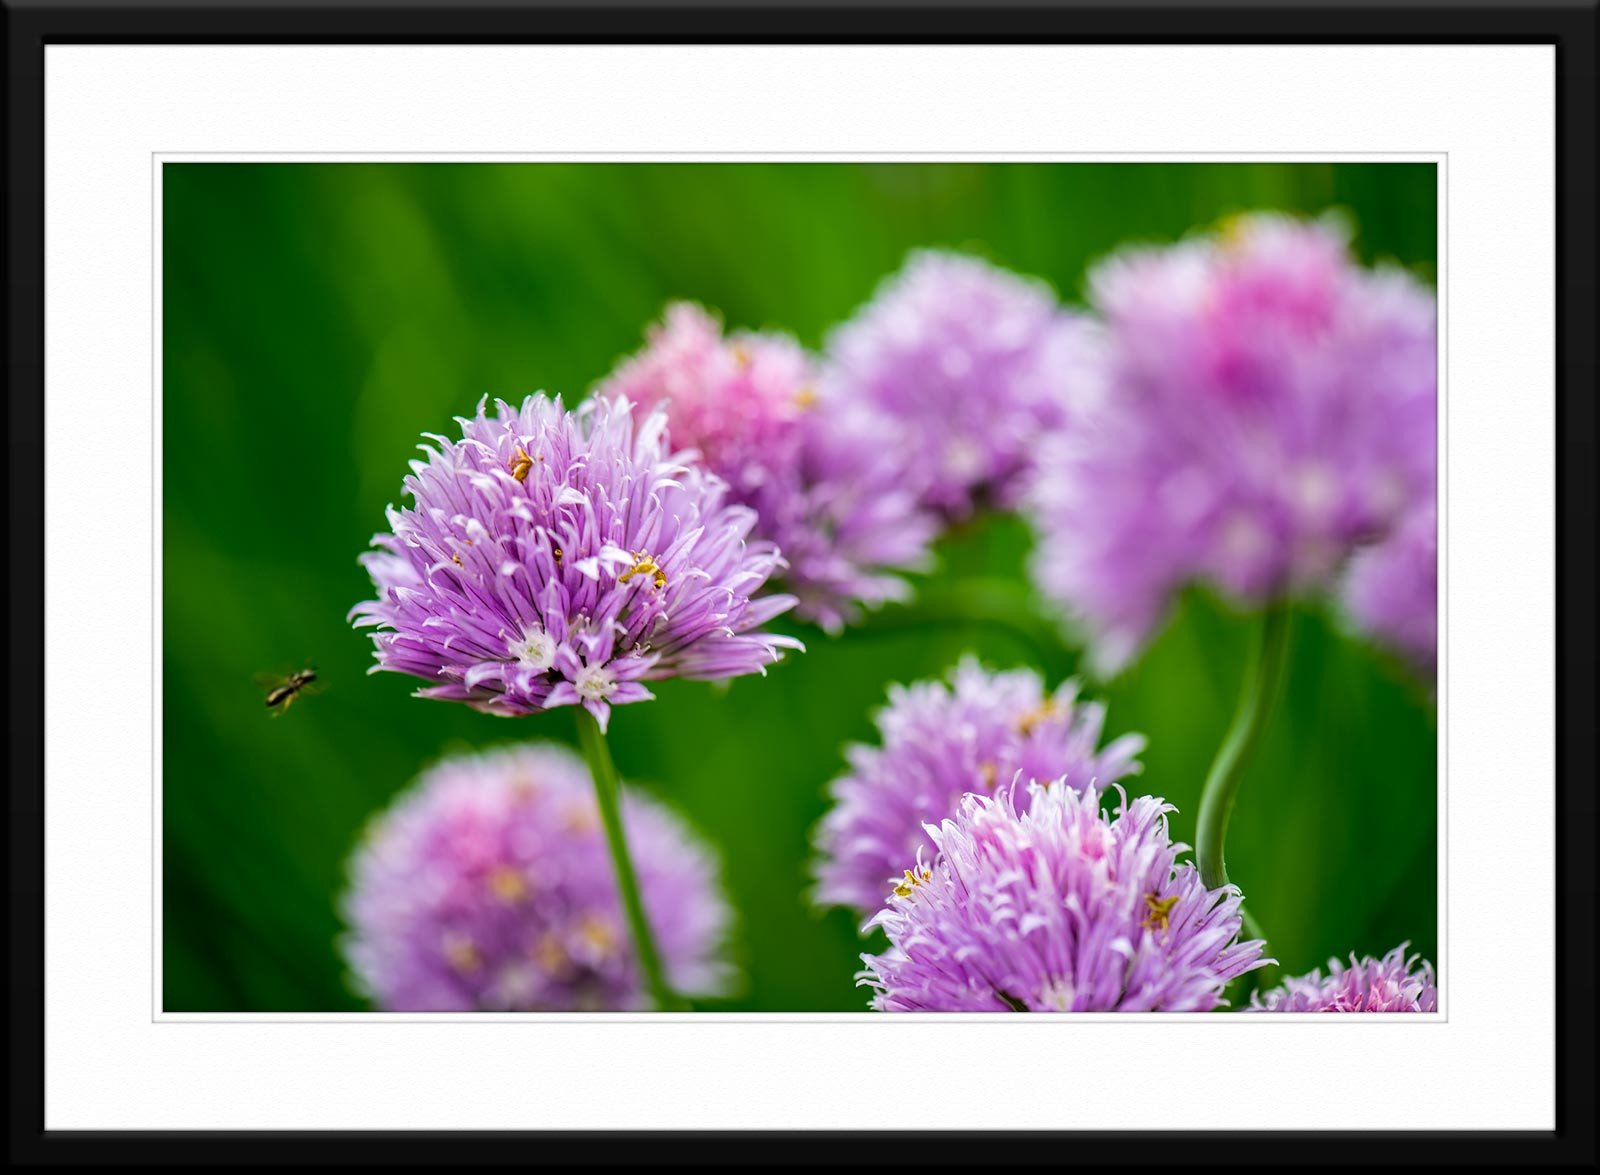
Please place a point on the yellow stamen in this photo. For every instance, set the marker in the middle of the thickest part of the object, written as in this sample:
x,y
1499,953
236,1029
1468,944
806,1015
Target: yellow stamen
x,y
987,773
1233,230
646,565
550,955
556,552
462,955
903,890
579,820
805,397
741,356
1032,718
456,559
507,884
598,935
1160,909
520,464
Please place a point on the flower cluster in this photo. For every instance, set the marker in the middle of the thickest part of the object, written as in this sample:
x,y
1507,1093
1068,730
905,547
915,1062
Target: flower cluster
x,y
1393,983
827,480
1057,907
1263,407
554,558
1250,410
486,886
971,363
940,740
1391,590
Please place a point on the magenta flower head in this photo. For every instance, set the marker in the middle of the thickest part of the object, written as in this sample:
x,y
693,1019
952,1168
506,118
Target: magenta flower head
x,y
1263,407
941,740
828,482
1391,590
973,363
1057,908
487,887
736,400
553,558
1393,983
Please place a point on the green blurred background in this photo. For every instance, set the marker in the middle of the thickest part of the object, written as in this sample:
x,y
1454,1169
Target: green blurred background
x,y
317,318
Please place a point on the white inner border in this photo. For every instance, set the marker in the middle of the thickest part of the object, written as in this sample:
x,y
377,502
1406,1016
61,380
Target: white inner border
x,y
114,1060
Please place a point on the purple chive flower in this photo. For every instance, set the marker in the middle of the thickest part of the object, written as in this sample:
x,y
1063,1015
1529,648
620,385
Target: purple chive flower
x,y
1263,407
1391,590
825,479
487,886
972,362
554,558
1393,983
940,741
1057,908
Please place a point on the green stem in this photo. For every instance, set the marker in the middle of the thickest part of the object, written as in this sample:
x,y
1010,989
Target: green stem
x,y
992,603
1262,676
608,791
1252,928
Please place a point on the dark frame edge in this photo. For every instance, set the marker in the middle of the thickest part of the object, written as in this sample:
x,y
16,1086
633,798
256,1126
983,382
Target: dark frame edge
x,y
1570,25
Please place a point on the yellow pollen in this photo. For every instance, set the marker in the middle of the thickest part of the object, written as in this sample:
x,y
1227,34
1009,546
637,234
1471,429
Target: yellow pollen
x,y
456,559
462,955
1233,230
579,820
987,773
1160,908
520,464
903,890
598,935
549,954
507,884
556,552
805,397
1032,718
741,356
645,565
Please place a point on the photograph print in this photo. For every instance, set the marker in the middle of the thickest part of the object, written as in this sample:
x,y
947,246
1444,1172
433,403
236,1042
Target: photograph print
x,y
791,587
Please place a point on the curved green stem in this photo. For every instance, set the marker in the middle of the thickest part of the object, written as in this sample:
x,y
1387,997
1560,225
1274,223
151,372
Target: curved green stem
x,y
992,603
608,792
1252,928
1261,680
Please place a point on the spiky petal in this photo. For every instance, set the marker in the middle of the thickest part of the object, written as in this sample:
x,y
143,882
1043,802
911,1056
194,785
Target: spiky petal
x,y
556,558
1057,907
487,886
974,732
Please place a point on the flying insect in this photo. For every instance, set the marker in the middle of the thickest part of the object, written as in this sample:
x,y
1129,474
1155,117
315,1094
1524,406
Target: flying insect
x,y
284,690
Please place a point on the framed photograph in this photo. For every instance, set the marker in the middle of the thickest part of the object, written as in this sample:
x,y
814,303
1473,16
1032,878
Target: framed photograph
x,y
634,580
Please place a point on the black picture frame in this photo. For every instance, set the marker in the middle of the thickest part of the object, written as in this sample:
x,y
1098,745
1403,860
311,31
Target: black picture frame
x,y
1569,25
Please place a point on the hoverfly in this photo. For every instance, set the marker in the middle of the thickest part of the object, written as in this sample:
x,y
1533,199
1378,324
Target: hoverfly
x,y
283,691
